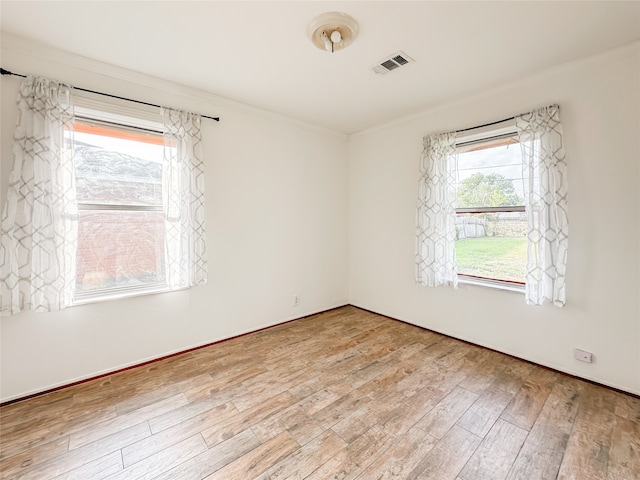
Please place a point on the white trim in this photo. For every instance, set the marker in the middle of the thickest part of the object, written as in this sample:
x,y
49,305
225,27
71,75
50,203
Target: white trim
x,y
486,282
87,105
487,132
116,111
103,296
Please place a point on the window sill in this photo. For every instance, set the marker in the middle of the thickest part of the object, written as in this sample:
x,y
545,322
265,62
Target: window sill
x,y
485,282
104,296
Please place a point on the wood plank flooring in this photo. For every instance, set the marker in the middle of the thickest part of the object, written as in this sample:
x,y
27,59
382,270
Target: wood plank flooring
x,y
341,395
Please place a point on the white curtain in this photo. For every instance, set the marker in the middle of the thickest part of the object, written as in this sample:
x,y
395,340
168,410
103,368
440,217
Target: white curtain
x,y
40,216
546,205
183,200
435,242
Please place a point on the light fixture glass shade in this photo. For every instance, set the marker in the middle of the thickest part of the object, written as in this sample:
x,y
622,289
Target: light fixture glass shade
x,y
326,25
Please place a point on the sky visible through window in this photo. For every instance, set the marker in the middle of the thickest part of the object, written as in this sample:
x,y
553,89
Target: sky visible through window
x,y
142,150
505,160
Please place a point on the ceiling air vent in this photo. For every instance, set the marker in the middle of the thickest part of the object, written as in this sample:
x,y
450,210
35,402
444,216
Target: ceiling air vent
x,y
392,62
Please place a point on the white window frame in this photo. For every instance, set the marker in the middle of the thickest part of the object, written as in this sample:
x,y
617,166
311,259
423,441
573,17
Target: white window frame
x,y
478,136
125,116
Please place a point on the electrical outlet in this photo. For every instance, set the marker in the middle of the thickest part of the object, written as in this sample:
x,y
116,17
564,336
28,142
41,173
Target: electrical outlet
x,y
296,300
582,355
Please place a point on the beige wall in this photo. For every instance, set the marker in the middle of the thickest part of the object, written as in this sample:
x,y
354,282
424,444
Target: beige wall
x,y
600,112
276,218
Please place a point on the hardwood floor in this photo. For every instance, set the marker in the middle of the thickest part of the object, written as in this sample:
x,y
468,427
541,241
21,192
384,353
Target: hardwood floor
x,y
345,394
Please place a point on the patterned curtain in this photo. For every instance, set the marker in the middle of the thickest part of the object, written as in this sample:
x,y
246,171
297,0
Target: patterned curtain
x,y
40,217
546,205
183,200
435,242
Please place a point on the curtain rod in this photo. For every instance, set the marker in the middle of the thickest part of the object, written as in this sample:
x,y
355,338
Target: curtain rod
x,y
499,121
7,72
485,124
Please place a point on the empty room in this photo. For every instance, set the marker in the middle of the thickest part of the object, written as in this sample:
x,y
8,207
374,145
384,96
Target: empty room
x,y
320,240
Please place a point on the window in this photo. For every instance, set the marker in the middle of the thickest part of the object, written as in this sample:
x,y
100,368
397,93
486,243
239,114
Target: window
x,y
471,201
490,221
121,227
105,200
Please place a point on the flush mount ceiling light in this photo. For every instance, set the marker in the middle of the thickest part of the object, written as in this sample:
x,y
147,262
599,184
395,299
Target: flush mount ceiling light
x,y
333,31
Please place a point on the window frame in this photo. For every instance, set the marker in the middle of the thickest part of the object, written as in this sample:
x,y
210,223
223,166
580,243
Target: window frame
x,y
477,137
146,122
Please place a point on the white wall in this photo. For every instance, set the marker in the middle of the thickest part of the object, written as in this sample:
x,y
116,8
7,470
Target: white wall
x,y
286,213
600,112
276,218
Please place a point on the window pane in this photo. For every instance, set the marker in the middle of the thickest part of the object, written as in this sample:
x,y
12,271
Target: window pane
x,y
490,177
119,249
492,245
117,171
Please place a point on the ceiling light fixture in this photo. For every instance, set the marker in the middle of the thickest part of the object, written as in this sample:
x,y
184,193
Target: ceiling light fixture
x,y
333,31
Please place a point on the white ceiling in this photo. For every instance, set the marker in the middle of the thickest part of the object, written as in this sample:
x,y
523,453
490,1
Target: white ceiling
x,y
258,52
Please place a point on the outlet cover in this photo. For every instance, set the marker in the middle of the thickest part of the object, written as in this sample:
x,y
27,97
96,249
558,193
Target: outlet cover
x,y
582,355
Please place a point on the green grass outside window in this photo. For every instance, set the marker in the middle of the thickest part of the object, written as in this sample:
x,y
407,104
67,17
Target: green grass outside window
x,y
499,258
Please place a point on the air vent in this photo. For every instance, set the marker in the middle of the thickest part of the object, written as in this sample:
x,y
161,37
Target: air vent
x,y
392,62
